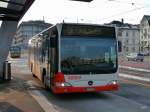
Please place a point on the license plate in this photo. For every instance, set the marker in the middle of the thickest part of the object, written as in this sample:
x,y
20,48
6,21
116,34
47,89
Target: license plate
x,y
90,89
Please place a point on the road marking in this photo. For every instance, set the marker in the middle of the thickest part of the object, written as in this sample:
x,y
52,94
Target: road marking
x,y
134,77
42,100
135,82
132,103
137,69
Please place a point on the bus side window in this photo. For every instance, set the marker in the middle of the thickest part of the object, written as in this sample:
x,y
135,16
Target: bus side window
x,y
43,51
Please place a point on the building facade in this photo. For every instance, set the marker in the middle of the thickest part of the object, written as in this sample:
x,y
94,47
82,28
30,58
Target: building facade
x,y
129,39
128,36
26,30
145,34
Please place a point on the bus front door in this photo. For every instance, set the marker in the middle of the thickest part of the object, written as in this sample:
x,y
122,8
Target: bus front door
x,y
53,65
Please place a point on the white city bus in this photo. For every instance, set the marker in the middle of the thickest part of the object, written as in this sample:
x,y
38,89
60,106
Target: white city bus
x,y
73,57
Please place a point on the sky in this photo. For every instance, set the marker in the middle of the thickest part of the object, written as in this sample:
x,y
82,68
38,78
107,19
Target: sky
x,y
97,11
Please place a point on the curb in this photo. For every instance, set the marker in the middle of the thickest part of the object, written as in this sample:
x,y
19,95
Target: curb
x,y
134,77
137,69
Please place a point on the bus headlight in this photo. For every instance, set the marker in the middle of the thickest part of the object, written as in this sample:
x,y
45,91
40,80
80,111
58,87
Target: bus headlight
x,y
114,82
62,84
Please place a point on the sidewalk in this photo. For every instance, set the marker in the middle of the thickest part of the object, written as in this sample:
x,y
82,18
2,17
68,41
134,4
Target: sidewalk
x,y
14,96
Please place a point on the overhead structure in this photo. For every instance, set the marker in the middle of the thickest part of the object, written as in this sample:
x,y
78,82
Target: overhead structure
x,y
83,0
11,12
14,10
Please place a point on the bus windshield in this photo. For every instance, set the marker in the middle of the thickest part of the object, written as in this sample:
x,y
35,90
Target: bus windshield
x,y
88,55
15,49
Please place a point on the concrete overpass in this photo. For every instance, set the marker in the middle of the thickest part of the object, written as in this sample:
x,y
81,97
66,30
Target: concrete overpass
x,y
11,11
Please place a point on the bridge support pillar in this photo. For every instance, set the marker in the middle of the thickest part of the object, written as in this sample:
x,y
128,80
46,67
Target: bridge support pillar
x,y
7,32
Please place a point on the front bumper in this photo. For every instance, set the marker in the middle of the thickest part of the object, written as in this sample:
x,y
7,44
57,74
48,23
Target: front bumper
x,y
72,89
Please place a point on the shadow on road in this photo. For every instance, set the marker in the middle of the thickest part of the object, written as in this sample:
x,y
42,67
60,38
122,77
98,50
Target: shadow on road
x,y
78,102
7,107
81,96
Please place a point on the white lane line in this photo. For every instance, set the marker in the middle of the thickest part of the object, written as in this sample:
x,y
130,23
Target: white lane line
x,y
147,85
42,100
137,69
134,77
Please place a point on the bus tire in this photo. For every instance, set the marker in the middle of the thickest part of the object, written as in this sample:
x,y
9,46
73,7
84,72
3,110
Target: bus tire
x,y
33,75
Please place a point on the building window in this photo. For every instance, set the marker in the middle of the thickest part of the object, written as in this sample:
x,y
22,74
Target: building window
x,y
133,41
145,33
133,49
127,49
119,46
133,33
142,24
119,33
127,34
145,43
127,41
149,30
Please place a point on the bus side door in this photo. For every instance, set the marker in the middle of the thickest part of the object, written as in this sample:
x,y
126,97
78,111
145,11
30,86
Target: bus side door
x,y
53,55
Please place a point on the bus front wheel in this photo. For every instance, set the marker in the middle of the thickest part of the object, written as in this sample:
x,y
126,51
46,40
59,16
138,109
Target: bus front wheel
x,y
32,71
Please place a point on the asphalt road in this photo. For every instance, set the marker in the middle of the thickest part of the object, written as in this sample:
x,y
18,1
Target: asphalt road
x,y
133,96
